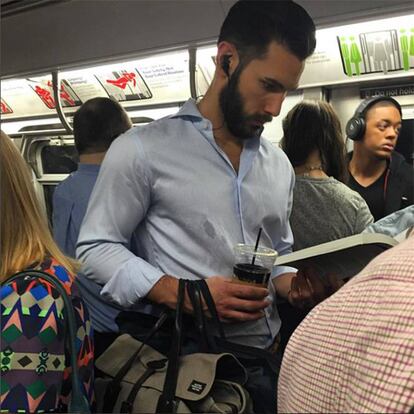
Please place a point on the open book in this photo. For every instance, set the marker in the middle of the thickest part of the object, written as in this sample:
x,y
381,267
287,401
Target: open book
x,y
343,257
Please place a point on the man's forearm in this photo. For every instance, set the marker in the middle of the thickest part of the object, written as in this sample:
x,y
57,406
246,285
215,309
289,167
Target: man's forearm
x,y
164,292
283,284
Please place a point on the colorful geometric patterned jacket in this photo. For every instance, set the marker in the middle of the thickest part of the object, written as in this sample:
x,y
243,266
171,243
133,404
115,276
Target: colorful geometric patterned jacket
x,y
35,366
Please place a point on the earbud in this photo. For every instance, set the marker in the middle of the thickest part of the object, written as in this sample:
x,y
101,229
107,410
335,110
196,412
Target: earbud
x,y
225,64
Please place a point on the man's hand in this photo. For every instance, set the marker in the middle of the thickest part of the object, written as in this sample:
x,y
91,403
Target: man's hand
x,y
237,301
234,301
308,289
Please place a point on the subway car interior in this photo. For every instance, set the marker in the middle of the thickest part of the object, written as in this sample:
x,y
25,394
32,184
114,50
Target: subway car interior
x,y
152,72
151,56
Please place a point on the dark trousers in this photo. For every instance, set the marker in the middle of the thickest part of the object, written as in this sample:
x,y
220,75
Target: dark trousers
x,y
262,386
102,341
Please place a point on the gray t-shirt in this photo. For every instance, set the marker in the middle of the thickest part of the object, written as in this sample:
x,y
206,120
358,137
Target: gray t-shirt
x,y
325,209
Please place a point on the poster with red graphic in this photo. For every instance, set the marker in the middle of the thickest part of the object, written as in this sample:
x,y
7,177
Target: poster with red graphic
x,y
68,96
44,90
5,109
124,85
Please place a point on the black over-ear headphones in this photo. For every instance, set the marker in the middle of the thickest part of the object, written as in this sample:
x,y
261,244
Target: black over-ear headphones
x,y
355,127
225,64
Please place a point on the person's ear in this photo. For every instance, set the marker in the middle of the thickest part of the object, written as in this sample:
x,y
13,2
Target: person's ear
x,y
227,58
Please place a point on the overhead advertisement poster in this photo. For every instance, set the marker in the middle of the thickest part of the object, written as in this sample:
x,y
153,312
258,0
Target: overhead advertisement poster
x,y
44,90
5,109
18,95
160,79
84,84
124,85
167,76
362,51
156,80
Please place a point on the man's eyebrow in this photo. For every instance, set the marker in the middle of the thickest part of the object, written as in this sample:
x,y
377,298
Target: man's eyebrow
x,y
277,85
389,121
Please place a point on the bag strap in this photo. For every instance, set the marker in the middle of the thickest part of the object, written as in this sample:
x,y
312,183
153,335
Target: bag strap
x,y
197,291
202,284
78,402
128,405
242,351
167,402
249,352
196,301
114,387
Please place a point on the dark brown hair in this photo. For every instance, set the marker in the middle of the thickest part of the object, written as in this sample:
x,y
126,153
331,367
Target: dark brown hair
x,y
314,125
252,25
97,123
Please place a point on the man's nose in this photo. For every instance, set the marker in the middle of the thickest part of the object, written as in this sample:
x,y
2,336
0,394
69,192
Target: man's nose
x,y
274,103
392,133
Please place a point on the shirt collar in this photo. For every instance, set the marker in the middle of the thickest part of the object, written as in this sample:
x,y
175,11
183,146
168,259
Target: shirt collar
x,y
91,168
189,109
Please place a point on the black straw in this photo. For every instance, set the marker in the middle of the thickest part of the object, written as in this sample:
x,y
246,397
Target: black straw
x,y
257,245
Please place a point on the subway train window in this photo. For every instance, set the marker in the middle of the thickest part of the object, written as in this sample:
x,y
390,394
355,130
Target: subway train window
x,y
59,159
52,159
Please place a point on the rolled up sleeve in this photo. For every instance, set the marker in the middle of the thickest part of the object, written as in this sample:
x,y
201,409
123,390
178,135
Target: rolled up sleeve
x,y
118,203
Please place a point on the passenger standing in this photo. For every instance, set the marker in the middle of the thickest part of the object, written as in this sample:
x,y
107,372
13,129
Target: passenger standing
x,y
35,361
190,186
324,208
354,352
381,175
96,124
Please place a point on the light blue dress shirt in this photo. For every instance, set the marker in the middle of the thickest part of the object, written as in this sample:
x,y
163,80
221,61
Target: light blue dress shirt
x,y
395,223
70,201
170,187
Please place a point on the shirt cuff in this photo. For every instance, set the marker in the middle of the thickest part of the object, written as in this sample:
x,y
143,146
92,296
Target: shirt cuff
x,y
131,283
279,270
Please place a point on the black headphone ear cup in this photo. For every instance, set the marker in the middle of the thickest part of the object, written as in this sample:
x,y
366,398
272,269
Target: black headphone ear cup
x,y
355,128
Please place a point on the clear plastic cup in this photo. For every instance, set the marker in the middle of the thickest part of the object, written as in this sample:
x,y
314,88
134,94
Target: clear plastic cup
x,y
255,271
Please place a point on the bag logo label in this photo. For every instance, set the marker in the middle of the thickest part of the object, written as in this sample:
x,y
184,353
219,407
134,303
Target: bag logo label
x,y
196,387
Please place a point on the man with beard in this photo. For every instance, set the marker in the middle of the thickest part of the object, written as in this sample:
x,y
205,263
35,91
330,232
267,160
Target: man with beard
x,y
381,175
187,188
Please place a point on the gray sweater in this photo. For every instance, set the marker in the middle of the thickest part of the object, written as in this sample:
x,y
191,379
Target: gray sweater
x,y
325,209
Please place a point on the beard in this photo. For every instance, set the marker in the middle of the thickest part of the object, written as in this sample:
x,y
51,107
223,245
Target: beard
x,y
240,124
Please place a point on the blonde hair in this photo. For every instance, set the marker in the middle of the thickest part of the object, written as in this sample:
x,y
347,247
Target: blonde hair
x,y
25,237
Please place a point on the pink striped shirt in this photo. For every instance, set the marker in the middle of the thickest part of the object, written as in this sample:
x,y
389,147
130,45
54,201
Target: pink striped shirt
x,y
354,352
